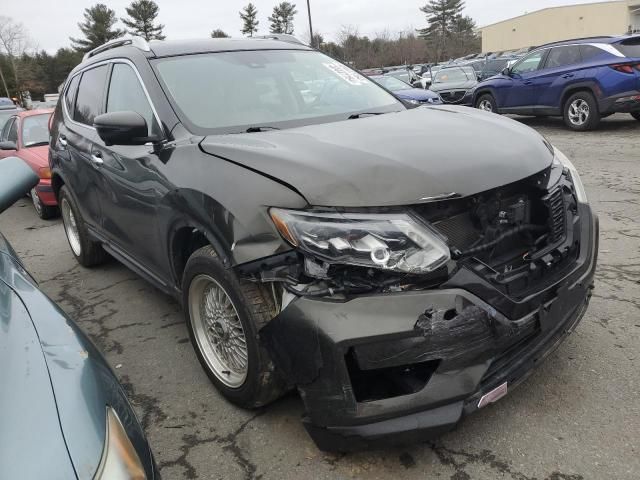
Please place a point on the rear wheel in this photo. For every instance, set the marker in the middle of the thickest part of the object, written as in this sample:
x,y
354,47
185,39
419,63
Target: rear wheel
x,y
581,112
87,252
636,115
45,212
487,103
224,316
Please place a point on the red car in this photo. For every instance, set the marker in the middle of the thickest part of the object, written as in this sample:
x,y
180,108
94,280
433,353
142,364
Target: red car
x,y
26,135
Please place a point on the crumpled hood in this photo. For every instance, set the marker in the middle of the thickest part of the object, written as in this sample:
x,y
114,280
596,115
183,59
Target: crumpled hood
x,y
392,159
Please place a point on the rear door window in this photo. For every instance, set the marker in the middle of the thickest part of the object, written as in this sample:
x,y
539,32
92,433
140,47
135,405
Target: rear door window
x,y
563,56
5,128
90,96
12,136
126,93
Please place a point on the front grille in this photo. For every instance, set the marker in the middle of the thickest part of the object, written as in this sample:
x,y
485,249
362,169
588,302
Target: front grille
x,y
555,203
454,96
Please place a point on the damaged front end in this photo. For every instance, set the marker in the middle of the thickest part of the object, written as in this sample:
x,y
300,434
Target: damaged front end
x,y
394,324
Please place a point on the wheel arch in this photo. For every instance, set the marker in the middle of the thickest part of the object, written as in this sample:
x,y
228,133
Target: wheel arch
x,y
579,87
482,91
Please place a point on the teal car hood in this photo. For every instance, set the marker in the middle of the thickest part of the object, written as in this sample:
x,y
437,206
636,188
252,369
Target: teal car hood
x,y
32,442
80,384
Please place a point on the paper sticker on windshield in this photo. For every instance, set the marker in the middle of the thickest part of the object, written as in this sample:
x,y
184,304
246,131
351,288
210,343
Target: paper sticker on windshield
x,y
346,74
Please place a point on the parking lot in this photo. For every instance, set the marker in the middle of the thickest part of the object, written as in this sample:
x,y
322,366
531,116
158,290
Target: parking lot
x,y
576,417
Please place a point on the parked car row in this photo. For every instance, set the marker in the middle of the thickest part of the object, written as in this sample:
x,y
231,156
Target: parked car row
x,y
311,242
581,80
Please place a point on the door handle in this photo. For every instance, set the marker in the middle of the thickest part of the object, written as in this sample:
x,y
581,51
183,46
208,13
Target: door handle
x,y
528,82
567,75
63,140
96,158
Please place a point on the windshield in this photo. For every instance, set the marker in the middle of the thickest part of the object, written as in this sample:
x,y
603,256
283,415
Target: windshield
x,y
228,92
392,83
451,75
35,130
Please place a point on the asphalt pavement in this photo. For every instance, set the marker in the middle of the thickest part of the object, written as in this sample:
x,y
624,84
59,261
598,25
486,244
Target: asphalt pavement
x,y
577,417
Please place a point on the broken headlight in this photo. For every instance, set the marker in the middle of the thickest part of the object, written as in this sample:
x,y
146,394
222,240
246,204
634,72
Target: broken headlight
x,y
386,241
561,158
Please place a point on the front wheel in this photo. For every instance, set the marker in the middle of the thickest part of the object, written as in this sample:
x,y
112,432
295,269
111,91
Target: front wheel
x,y
86,251
487,103
581,112
224,316
636,115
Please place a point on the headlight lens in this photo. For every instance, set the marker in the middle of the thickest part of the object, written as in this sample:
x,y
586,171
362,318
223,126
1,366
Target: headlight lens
x,y
391,242
120,460
581,194
413,102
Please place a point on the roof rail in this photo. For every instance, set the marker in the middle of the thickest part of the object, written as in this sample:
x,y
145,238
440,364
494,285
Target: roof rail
x,y
283,37
597,37
137,42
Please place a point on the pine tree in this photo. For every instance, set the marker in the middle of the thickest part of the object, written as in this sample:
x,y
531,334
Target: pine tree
x,y
440,16
97,28
250,22
282,18
142,14
217,33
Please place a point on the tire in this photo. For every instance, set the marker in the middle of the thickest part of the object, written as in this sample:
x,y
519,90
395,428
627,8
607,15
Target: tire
x,y
224,311
636,115
87,252
487,103
581,112
45,212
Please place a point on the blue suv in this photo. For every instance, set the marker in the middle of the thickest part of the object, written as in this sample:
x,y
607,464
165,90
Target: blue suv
x,y
582,80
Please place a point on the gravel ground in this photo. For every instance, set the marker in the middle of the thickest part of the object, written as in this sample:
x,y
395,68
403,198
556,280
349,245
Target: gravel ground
x,y
576,417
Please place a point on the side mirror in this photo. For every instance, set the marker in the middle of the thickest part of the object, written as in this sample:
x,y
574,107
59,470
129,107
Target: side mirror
x,y
123,128
16,179
8,145
506,72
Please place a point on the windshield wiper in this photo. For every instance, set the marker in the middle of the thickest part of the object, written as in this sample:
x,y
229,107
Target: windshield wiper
x,y
38,144
260,129
359,115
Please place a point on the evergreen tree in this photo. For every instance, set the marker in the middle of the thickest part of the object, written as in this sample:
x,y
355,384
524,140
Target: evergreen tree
x,y
97,28
217,33
282,18
440,17
142,15
250,22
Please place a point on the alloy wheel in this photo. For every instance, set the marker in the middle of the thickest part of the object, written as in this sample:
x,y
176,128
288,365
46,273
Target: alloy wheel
x,y
71,227
218,331
37,204
486,106
579,112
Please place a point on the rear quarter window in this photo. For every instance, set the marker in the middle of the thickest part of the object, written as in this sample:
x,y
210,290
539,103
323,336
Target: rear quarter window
x,y
630,48
70,94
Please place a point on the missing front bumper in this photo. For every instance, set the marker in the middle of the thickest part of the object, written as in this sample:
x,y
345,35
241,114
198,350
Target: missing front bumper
x,y
453,346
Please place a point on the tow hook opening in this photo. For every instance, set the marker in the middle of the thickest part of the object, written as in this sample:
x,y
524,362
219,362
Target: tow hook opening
x,y
389,382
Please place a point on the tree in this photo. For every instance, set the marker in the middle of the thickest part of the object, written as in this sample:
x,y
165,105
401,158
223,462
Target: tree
x,y
440,16
464,37
250,22
142,15
14,42
282,18
217,33
97,28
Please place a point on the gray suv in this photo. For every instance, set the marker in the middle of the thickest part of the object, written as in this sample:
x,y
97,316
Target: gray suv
x,y
400,267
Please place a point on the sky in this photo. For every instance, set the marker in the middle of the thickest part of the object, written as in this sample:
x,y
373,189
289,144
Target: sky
x,y
50,23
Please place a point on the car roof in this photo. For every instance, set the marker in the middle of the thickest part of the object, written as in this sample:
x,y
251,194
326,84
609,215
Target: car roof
x,y
606,39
